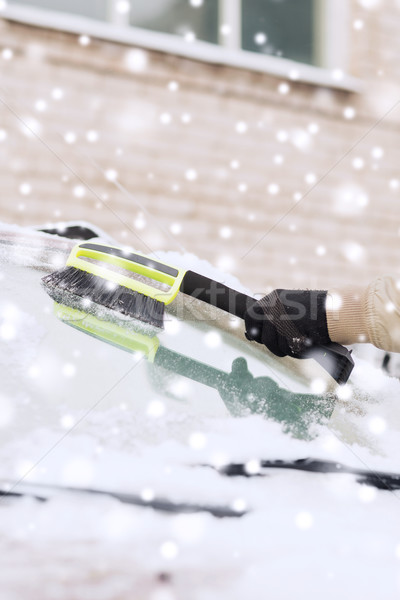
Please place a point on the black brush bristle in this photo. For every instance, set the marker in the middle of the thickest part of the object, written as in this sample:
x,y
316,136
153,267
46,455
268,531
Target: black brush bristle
x,y
86,288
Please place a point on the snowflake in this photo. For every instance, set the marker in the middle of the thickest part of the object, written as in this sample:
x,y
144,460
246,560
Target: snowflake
x,y
186,118
169,550
123,7
241,127
165,118
7,54
349,113
92,136
25,189
111,175
189,37
70,137
57,94
212,339
84,40
191,175
136,60
377,425
284,88
225,232
260,38
358,163
273,189
41,105
304,520
197,440
225,29
155,409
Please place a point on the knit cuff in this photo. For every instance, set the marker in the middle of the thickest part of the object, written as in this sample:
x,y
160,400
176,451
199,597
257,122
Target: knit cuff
x,y
346,311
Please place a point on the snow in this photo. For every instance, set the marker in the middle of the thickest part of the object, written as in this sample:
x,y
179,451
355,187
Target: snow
x,y
77,411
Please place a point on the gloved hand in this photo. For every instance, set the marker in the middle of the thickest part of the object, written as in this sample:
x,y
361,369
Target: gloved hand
x,y
289,322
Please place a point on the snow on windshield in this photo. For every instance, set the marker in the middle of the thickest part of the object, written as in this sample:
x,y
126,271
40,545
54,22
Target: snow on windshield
x,y
78,411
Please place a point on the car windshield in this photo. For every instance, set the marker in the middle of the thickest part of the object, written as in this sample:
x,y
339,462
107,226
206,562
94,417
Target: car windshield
x,y
88,406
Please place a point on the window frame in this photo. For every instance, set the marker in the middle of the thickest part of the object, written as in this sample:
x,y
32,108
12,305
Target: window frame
x,y
335,17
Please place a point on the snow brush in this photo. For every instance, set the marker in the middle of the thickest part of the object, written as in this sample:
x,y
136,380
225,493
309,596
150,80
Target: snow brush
x,y
120,285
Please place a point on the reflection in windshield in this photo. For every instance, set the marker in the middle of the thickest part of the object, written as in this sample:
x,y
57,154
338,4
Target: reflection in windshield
x,y
242,393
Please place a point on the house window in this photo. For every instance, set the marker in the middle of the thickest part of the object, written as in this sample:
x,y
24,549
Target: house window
x,y
312,32
94,9
283,28
190,20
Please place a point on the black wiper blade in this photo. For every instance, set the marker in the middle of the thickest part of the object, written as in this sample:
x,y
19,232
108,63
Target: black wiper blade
x,y
379,479
44,492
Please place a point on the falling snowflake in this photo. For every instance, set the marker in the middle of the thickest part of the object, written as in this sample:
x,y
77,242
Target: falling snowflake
x,y
318,386
165,118
186,118
377,425
41,105
212,339
284,88
304,520
225,232
191,175
189,37
123,7
337,74
358,163
241,127
273,189
349,113
173,86
377,152
260,38
197,440
70,137
313,128
25,189
7,54
136,60
353,251
57,94
282,136
310,178
175,228
92,136
155,409
111,175
169,550
84,40
79,191
225,29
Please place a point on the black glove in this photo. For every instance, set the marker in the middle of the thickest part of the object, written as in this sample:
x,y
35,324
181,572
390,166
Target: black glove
x,y
289,322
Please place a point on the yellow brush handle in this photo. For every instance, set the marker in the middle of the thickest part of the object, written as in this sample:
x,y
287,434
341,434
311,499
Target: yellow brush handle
x,y
133,262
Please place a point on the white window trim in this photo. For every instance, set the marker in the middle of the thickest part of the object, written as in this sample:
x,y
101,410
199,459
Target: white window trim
x,y
172,44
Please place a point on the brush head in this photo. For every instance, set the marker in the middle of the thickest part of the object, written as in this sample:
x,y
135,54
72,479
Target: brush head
x,y
103,298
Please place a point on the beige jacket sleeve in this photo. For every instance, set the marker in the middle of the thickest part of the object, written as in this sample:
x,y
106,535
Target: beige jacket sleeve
x,y
371,314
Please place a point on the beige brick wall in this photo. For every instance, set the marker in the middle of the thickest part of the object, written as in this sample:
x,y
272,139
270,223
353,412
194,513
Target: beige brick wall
x,y
275,239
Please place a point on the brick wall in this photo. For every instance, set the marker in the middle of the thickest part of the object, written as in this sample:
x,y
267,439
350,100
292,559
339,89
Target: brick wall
x,y
281,189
